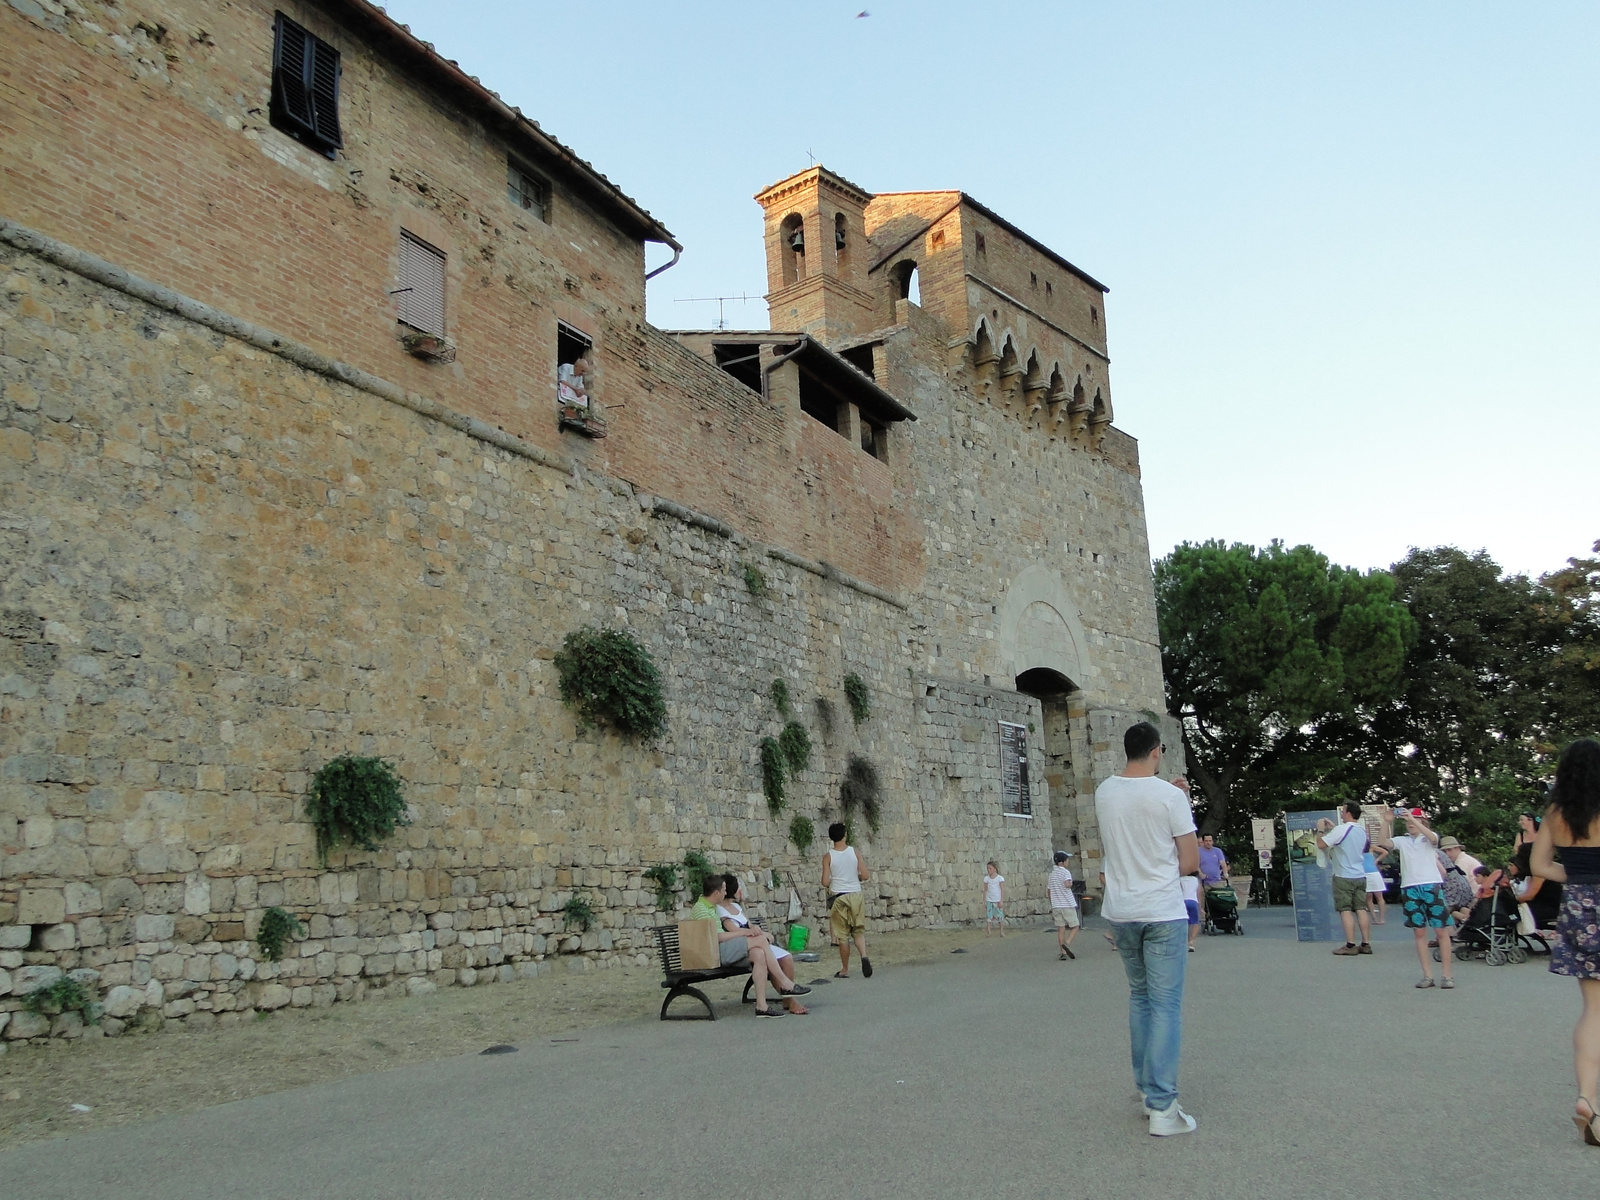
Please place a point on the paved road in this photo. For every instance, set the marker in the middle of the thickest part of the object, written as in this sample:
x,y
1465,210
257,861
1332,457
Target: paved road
x,y
1000,1072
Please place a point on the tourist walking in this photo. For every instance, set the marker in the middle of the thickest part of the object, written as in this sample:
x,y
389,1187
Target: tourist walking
x,y
843,872
1422,896
1063,905
1147,835
1191,905
1572,825
994,899
1346,844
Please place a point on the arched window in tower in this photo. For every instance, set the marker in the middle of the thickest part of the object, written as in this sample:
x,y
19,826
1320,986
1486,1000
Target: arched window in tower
x,y
792,249
905,280
841,242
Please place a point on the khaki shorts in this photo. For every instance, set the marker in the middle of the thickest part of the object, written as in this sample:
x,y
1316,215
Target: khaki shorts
x,y
1066,918
848,916
1349,895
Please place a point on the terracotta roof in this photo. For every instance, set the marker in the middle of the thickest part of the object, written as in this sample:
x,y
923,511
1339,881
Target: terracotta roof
x,y
447,75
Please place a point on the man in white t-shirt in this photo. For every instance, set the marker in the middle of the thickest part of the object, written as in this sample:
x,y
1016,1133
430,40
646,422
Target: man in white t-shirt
x,y
1346,844
1147,831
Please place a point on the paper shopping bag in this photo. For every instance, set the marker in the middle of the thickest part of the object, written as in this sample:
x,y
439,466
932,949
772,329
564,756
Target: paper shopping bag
x,y
697,945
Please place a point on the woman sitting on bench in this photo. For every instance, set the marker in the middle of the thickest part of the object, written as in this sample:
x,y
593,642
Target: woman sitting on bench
x,y
731,910
737,945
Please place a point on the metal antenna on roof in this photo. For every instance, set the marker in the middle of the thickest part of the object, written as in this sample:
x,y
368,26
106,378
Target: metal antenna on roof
x,y
720,301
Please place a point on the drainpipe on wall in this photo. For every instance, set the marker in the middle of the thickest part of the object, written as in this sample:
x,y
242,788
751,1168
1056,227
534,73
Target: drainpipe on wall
x,y
766,371
677,253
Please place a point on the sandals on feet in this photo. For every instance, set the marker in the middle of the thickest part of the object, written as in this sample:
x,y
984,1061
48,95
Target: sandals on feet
x,y
866,966
841,974
1591,1135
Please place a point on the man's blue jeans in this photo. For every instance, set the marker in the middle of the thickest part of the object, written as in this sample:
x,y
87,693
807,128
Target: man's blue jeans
x,y
1154,954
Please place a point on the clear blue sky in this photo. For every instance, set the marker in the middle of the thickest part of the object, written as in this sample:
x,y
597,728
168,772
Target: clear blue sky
x,y
1352,249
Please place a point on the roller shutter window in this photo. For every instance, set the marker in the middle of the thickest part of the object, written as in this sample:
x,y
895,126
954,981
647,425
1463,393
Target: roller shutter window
x,y
421,294
305,87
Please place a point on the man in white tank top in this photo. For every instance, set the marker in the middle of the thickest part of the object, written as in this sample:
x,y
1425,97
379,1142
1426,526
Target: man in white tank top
x,y
843,871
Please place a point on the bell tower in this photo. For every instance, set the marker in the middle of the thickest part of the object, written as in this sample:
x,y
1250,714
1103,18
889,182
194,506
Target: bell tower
x,y
818,255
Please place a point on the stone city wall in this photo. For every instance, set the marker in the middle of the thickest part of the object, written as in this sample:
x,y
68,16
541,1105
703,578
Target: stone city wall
x,y
225,569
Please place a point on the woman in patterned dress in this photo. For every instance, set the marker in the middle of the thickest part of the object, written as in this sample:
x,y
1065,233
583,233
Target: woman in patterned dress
x,y
1572,826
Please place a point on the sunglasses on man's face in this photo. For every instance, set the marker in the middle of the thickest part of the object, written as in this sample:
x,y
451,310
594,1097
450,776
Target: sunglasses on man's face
x,y
1163,747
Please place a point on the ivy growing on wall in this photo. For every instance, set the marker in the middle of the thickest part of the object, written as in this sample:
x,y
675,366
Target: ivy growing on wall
x,y
795,743
857,696
665,878
607,677
802,833
577,911
63,995
755,581
696,866
778,693
357,800
772,766
859,792
276,929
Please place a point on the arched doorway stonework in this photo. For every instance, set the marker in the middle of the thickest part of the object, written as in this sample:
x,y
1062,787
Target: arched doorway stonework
x,y
1039,627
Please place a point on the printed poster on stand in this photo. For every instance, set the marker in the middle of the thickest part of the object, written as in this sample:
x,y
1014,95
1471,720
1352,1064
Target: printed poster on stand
x,y
1310,877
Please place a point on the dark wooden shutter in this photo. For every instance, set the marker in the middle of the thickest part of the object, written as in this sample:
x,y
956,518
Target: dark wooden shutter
x,y
292,48
422,272
324,79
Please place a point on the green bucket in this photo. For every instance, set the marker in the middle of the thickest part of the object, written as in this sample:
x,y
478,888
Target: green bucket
x,y
799,935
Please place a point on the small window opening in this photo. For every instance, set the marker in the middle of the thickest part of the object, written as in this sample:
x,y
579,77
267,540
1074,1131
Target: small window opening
x,y
419,298
527,190
1094,315
906,284
860,358
305,87
840,241
1033,279
937,241
1049,288
574,366
742,361
818,403
983,245
792,248
874,438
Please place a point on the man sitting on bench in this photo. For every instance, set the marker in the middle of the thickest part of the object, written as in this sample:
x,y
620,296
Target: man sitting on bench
x,y
737,945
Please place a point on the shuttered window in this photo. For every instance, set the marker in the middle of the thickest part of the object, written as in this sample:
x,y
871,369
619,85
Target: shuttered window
x,y
420,297
305,87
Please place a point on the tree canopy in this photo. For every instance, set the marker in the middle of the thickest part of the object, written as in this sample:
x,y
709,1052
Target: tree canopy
x,y
1261,647
1442,682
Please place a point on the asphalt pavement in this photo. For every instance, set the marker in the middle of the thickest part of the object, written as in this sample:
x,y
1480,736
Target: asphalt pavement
x,y
998,1072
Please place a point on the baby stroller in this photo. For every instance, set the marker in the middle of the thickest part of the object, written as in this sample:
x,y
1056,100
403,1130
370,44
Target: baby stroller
x,y
1490,931
1222,911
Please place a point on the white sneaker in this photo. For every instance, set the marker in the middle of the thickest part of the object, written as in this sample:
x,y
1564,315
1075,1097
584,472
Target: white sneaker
x,y
1171,1122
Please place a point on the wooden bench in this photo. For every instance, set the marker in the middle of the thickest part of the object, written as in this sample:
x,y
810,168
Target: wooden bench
x,y
680,982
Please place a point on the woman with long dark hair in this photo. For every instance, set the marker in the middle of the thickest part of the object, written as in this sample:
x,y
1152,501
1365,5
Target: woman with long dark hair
x,y
1572,826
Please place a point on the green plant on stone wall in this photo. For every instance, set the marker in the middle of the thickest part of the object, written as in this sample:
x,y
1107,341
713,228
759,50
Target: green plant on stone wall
x,y
795,743
754,580
64,995
356,800
859,792
772,765
606,676
696,866
778,693
857,696
273,934
665,878
802,833
577,911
